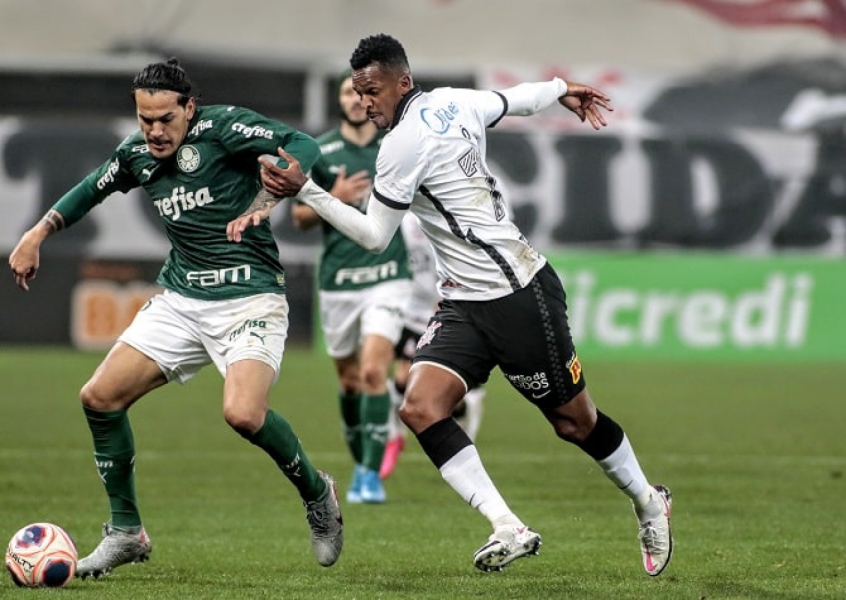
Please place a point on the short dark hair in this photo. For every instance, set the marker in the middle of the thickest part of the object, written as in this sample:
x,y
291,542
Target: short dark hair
x,y
165,76
382,49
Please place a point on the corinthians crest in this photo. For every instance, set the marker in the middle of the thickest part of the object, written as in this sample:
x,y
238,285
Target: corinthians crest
x,y
188,159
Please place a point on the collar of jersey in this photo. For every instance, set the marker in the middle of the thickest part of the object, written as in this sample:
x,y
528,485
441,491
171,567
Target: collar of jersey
x,y
402,107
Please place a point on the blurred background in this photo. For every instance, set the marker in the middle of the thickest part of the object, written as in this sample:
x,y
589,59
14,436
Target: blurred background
x,y
708,220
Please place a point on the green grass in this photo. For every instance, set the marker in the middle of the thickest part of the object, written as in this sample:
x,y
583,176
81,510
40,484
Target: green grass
x,y
755,456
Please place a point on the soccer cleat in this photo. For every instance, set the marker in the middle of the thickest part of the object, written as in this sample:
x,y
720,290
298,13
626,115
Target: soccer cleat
x,y
656,538
117,548
327,525
393,449
354,491
505,545
372,491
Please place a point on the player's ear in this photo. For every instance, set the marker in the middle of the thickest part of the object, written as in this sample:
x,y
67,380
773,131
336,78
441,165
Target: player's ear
x,y
405,82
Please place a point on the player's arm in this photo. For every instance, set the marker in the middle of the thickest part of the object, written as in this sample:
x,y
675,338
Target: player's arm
x,y
75,204
583,100
372,230
304,216
25,258
351,189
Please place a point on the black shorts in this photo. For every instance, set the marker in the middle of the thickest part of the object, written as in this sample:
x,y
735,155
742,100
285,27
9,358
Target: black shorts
x,y
525,334
407,344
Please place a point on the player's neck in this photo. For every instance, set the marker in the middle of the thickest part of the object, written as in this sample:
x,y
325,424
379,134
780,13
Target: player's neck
x,y
360,135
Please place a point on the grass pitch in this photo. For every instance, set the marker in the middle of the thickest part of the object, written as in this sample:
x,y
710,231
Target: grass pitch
x,y
755,456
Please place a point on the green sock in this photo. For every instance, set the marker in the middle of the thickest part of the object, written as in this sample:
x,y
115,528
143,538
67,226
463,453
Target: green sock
x,y
351,415
278,439
374,425
114,454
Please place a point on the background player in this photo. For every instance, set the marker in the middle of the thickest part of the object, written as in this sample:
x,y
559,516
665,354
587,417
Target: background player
x,y
362,295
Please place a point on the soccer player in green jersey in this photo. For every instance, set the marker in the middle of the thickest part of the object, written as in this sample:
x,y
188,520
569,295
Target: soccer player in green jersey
x,y
362,295
222,303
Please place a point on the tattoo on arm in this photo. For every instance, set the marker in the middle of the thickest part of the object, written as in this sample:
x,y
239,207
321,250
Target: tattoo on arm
x,y
264,201
53,220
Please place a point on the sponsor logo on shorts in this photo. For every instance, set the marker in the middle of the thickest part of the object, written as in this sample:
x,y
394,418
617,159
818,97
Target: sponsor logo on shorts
x,y
575,368
537,384
250,325
429,334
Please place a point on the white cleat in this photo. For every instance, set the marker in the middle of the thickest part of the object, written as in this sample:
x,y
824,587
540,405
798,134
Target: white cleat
x,y
505,545
118,548
327,525
656,537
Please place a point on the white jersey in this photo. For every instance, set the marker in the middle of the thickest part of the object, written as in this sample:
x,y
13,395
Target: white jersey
x,y
424,291
433,160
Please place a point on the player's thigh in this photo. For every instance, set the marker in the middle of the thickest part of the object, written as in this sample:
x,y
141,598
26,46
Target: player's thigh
x,y
165,330
340,321
433,392
250,328
245,393
124,376
383,313
529,333
453,342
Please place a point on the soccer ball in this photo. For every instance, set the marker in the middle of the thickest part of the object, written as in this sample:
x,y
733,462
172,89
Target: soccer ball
x,y
41,555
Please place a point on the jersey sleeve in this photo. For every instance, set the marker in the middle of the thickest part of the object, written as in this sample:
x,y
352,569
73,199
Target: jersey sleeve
x,y
112,176
400,167
250,132
488,106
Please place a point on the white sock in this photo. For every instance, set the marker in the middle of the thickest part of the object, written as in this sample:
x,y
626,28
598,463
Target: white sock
x,y
465,473
473,401
622,468
396,428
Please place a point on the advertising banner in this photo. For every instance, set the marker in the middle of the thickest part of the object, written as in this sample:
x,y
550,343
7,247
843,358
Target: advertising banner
x,y
705,306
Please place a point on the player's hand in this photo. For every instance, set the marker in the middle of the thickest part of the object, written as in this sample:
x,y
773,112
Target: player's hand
x,y
252,218
282,182
586,102
24,260
352,189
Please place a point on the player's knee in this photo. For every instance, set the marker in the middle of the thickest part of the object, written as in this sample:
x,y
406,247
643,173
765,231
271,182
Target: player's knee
x,y
244,420
570,431
418,414
373,378
94,397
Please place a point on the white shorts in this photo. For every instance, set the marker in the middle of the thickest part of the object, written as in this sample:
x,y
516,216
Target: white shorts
x,y
347,317
182,335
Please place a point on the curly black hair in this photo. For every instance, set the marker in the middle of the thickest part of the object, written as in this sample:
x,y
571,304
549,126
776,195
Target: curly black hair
x,y
382,49
164,76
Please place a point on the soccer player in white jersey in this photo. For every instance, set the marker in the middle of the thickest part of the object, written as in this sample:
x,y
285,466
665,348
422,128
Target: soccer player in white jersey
x,y
503,304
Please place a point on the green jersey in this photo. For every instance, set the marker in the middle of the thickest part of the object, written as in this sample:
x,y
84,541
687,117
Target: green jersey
x,y
344,265
210,180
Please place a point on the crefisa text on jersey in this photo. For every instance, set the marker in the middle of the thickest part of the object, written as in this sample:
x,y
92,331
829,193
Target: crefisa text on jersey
x,y
181,201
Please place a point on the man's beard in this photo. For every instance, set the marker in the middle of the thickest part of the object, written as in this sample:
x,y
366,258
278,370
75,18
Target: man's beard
x,y
357,124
